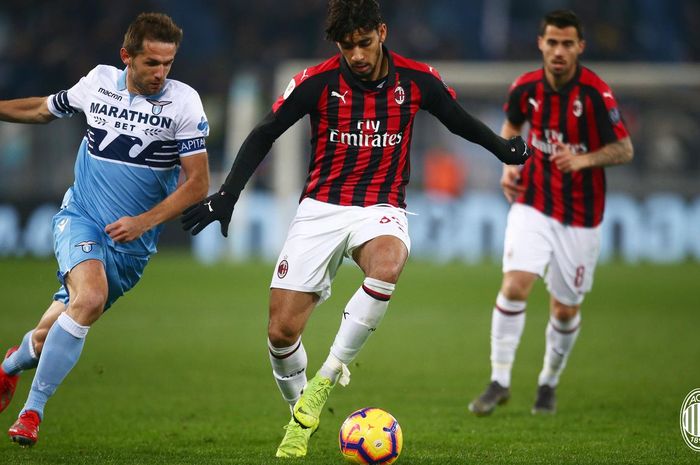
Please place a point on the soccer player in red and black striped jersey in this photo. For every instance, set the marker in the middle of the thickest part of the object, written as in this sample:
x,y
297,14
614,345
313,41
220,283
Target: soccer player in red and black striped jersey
x,y
558,199
361,103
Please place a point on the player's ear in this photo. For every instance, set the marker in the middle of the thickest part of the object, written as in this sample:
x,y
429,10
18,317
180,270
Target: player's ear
x,y
124,55
581,46
382,29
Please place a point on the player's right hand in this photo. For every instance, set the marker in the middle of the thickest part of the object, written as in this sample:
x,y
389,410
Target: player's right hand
x,y
216,207
510,182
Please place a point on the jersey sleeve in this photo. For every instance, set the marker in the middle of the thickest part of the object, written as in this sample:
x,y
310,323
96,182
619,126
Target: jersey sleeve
x,y
66,103
435,92
299,98
611,126
513,108
192,128
441,101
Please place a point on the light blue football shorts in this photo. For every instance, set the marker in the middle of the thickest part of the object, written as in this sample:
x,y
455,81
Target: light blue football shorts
x,y
77,239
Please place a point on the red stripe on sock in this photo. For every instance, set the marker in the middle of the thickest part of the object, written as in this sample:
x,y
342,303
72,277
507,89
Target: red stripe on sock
x,y
509,312
565,331
376,295
286,355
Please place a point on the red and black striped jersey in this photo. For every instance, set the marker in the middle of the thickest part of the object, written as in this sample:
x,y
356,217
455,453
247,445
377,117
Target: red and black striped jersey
x,y
360,131
584,115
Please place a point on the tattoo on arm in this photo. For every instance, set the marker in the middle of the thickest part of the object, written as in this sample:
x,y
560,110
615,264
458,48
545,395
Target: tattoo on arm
x,y
615,153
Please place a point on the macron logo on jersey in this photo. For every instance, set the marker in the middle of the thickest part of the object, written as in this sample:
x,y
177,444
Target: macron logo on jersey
x,y
109,94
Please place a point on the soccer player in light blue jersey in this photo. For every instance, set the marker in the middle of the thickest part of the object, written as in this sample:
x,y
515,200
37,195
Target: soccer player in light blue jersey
x,y
142,129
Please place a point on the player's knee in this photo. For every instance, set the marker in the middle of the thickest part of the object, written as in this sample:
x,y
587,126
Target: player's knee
x,y
564,312
87,306
38,338
387,271
282,336
514,290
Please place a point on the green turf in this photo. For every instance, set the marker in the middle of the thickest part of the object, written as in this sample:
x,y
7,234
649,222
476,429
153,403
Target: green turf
x,y
177,372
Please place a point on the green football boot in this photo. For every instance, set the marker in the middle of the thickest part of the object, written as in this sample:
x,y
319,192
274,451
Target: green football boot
x,y
296,440
308,408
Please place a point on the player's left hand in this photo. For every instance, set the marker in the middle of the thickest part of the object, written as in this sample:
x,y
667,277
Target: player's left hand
x,y
126,228
517,151
565,160
216,207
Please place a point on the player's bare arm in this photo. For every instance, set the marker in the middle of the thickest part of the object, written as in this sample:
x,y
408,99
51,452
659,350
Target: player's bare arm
x,y
194,189
615,153
511,174
33,110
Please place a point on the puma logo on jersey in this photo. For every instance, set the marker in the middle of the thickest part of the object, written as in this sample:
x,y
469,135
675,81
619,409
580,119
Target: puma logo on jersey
x,y
336,94
208,204
535,104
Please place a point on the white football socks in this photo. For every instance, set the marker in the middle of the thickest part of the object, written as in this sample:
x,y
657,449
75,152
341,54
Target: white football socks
x,y
560,336
507,323
362,315
289,369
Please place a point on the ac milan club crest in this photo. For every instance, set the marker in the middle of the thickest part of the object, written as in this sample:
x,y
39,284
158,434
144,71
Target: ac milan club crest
x,y
578,108
282,269
399,95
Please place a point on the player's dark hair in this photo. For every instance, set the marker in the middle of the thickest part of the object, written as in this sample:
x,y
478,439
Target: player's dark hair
x,y
157,27
347,16
562,19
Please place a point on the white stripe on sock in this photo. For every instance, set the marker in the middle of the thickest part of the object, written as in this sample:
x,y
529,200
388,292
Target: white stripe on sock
x,y
71,327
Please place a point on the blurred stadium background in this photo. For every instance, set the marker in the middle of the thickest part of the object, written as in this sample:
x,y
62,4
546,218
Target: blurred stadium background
x,y
182,358
237,55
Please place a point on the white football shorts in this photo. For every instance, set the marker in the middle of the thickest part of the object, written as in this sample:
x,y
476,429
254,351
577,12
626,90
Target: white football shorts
x,y
322,234
565,256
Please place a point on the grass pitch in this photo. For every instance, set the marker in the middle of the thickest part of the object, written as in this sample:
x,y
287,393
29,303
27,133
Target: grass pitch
x,y
177,371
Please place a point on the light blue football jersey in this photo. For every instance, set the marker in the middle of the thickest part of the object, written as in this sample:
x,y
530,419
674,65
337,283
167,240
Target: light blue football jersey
x,y
129,159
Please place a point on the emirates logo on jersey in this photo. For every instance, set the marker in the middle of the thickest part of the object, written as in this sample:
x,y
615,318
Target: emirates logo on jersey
x,y
552,137
399,95
368,134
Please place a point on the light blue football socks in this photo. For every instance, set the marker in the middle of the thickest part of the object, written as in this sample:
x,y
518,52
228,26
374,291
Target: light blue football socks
x,y
23,358
61,352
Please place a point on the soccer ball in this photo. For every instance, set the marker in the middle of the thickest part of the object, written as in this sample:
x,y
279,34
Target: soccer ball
x,y
370,436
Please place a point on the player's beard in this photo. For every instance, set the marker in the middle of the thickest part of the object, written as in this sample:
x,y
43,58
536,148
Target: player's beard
x,y
143,86
148,88
368,73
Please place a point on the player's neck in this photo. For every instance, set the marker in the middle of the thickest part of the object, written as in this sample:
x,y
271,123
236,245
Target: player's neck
x,y
382,71
557,82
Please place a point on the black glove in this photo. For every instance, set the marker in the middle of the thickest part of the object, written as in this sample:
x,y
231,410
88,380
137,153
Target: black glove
x,y
516,151
218,206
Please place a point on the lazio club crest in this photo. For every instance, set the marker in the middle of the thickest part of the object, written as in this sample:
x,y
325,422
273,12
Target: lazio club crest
x,y
158,105
86,246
